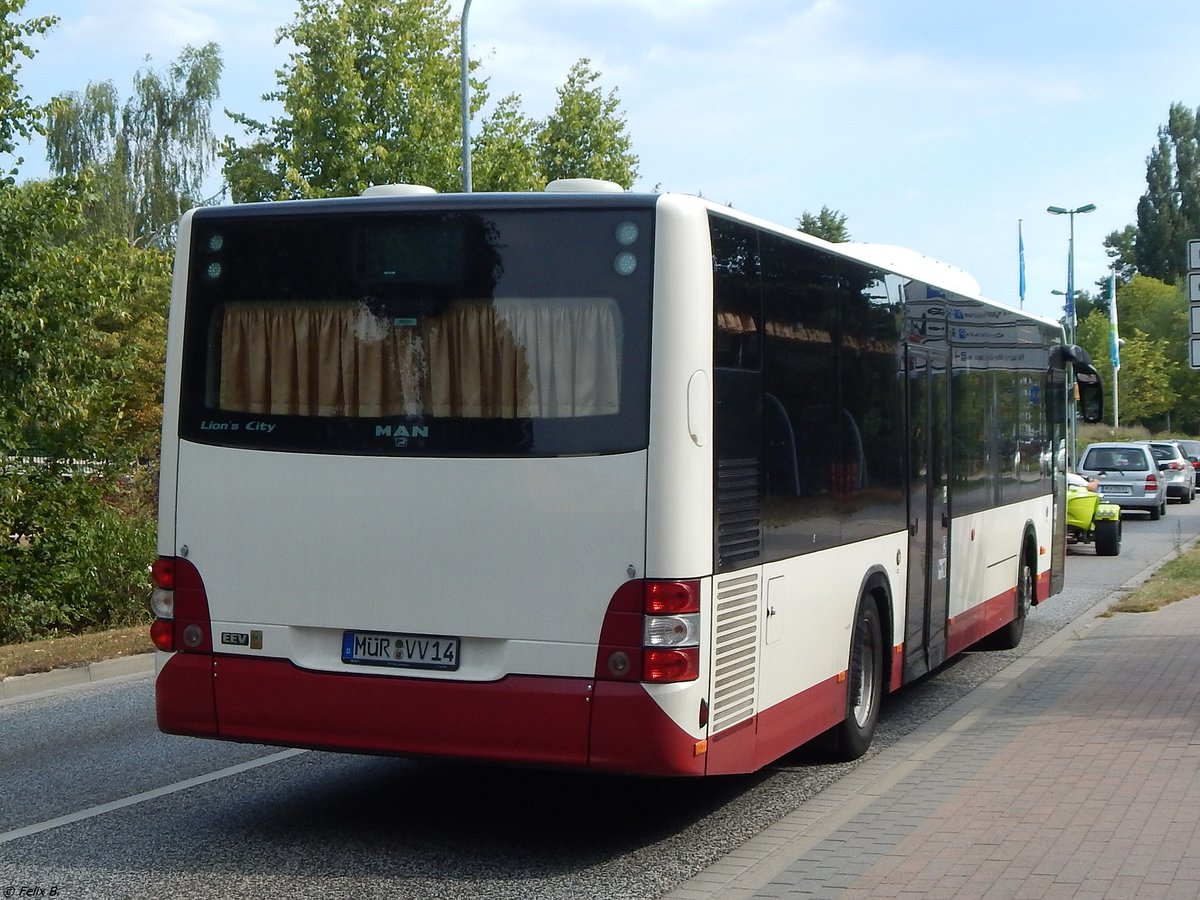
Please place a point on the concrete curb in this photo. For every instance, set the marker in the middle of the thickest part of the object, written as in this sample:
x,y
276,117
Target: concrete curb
x,y
22,686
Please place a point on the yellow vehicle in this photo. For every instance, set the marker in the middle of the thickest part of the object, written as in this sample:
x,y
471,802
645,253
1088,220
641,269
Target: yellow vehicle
x,y
1090,520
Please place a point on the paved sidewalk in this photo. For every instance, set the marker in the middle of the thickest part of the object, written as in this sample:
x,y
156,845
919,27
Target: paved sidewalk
x,y
1073,774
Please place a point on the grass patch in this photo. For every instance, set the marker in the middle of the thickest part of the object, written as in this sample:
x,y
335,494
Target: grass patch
x,y
1177,580
73,650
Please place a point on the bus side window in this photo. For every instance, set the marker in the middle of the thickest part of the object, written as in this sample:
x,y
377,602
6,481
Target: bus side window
x,y
781,462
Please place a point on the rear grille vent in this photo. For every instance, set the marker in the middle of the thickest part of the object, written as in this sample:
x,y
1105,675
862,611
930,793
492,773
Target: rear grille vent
x,y
739,519
735,659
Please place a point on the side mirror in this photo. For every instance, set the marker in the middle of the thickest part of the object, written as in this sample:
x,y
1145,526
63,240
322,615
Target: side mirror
x,y
1091,395
1089,391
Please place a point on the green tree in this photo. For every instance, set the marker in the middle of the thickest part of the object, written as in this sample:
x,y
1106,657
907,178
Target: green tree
x,y
1121,249
82,329
1160,310
1158,388
370,95
1168,213
1154,307
585,136
149,156
19,118
504,155
1145,377
81,339
828,224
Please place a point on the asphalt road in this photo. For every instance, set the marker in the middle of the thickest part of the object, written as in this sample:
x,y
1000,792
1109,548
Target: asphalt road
x,y
96,803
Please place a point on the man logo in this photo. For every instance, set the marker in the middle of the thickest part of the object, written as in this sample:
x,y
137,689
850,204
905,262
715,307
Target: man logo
x,y
400,434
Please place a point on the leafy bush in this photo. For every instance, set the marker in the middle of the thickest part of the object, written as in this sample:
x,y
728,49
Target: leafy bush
x,y
74,547
82,336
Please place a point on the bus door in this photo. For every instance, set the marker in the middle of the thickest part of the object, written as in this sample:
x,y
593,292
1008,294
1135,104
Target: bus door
x,y
928,511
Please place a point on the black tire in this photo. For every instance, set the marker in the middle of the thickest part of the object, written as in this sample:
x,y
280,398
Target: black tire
x,y
1008,637
864,686
1156,512
1108,538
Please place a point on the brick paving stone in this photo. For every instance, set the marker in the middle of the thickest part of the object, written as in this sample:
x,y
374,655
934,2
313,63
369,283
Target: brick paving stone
x,y
1080,779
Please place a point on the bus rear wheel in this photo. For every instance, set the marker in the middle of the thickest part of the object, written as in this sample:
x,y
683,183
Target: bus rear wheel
x,y
864,690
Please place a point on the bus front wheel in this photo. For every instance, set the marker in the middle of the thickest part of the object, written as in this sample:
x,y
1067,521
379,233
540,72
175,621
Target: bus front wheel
x,y
1009,636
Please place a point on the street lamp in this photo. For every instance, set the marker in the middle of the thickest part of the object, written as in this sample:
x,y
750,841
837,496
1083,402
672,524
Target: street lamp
x,y
1070,298
1072,305
466,100
1070,310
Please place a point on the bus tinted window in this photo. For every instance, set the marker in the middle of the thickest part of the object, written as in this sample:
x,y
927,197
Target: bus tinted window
x,y
809,402
464,333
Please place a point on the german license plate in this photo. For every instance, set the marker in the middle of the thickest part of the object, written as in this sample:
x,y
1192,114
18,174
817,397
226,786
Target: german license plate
x,y
405,651
1114,489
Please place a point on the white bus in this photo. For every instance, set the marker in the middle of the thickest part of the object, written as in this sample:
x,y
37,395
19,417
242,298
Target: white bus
x,y
586,479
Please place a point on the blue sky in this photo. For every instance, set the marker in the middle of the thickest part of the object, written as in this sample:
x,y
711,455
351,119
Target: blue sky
x,y
932,124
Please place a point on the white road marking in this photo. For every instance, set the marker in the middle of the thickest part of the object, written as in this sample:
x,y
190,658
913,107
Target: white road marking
x,y
104,808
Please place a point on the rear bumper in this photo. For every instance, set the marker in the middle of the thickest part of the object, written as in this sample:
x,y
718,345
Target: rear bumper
x,y
1142,503
575,723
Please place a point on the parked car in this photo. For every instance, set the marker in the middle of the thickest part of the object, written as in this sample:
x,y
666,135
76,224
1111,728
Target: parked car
x,y
1127,474
1191,449
1176,470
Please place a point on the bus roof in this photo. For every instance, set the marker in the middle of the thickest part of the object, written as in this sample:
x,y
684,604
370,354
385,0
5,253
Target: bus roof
x,y
572,193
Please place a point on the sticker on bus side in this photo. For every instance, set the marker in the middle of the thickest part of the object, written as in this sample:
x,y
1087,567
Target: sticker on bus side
x,y
405,651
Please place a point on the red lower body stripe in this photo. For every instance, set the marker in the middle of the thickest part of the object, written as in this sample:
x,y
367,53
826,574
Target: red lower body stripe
x,y
559,722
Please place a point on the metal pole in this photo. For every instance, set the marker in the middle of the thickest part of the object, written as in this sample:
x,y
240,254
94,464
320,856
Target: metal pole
x,y
1115,344
1070,316
1071,274
466,102
1116,400
1073,424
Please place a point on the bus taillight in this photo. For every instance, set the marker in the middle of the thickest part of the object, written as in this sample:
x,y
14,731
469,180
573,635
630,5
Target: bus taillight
x,y
651,633
672,597
162,573
671,631
663,666
162,634
162,603
180,607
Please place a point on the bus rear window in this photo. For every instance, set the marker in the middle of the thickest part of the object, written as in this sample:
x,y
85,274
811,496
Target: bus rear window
x,y
522,332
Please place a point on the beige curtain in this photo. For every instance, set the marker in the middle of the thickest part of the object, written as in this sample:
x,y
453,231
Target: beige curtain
x,y
510,358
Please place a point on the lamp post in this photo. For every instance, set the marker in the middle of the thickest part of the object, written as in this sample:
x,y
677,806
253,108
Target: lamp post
x,y
1070,213
1070,309
466,100
1068,306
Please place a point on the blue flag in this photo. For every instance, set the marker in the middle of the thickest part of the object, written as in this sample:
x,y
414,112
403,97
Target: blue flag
x,y
1115,346
1021,256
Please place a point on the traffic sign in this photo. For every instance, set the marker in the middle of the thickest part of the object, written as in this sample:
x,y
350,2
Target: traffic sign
x,y
1194,352
1194,287
1194,254
1194,320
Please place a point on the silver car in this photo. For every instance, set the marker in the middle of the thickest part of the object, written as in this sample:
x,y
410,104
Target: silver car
x,y
1127,474
1176,470
1191,449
